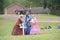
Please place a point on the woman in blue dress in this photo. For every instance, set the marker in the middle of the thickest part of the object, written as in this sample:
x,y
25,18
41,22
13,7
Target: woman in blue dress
x,y
27,29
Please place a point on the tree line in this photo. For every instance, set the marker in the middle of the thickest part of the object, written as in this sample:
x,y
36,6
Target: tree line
x,y
1,6
53,5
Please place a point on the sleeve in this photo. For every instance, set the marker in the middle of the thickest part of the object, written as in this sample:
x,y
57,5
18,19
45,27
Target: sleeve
x,y
18,22
32,21
29,17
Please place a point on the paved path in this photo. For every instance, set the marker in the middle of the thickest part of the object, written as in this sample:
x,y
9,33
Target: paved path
x,y
16,16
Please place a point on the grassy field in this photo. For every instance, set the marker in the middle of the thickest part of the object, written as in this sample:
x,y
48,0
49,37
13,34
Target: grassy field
x,y
6,26
46,17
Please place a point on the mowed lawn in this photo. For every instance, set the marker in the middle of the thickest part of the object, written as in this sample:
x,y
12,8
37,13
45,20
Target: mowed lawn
x,y
6,26
46,17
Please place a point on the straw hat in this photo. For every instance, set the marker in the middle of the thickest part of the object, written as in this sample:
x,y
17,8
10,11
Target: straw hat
x,y
20,16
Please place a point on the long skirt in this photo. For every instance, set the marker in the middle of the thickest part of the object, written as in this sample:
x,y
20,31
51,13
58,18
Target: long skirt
x,y
17,30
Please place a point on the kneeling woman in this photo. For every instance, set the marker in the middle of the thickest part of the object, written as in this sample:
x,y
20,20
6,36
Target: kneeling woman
x,y
17,30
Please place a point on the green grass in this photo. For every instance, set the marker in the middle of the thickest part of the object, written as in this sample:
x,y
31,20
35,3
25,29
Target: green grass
x,y
6,26
46,16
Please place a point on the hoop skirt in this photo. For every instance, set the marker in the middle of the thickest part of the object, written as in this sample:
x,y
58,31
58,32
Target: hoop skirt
x,y
34,28
17,30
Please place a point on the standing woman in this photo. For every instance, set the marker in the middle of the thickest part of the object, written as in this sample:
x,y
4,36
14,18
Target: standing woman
x,y
30,10
17,30
27,20
34,28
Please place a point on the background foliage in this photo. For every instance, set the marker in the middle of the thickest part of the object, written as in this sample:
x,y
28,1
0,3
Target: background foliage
x,y
53,5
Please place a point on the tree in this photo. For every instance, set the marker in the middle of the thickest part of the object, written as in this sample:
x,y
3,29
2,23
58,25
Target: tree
x,y
1,6
45,4
55,7
35,3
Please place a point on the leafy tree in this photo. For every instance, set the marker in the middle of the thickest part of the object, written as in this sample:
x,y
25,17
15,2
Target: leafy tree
x,y
45,4
1,6
35,3
55,7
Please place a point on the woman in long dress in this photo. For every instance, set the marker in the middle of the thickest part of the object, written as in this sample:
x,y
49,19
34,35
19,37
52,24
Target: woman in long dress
x,y
17,30
34,28
26,19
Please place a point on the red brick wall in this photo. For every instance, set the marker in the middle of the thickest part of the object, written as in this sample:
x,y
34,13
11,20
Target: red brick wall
x,y
11,9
